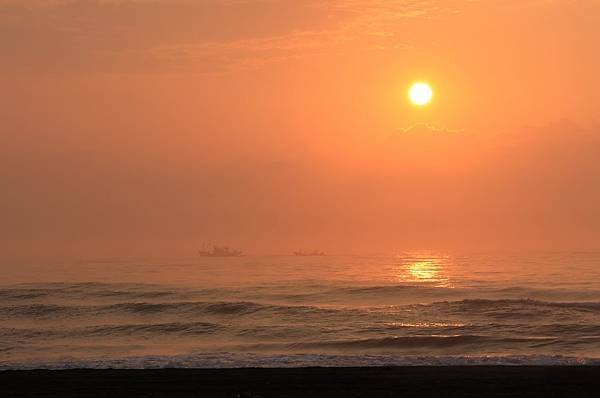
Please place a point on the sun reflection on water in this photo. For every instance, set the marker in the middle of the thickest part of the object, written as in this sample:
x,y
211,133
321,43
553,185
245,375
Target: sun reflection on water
x,y
424,269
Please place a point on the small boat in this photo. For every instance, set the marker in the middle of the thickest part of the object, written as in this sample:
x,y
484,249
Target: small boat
x,y
314,253
219,251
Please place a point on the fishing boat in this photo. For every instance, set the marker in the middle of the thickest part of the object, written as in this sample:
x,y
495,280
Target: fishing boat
x,y
219,251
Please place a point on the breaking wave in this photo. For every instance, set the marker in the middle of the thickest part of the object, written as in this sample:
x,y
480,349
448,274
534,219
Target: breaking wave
x,y
237,360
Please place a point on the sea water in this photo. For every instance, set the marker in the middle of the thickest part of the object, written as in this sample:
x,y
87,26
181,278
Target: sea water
x,y
415,308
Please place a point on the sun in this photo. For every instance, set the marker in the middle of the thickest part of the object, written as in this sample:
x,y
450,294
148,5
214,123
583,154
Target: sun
x,y
420,94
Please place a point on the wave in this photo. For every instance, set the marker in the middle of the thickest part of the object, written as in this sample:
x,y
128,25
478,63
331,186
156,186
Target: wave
x,y
424,291
115,330
88,290
413,342
219,308
313,294
178,328
221,360
404,344
524,310
489,303
461,312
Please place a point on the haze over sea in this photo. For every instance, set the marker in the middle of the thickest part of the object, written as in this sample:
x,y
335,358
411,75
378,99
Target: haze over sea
x,y
416,308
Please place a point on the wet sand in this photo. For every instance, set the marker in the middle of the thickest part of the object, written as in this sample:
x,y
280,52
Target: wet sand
x,y
472,381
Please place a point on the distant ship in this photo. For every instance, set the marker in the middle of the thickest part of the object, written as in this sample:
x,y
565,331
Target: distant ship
x,y
219,251
314,253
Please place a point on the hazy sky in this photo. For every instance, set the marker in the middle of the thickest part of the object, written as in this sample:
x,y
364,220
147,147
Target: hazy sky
x,y
146,127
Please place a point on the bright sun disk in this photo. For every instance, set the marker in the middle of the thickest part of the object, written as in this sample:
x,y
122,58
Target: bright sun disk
x,y
420,93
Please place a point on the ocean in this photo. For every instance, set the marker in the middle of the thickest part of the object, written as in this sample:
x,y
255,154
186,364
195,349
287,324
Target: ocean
x,y
418,308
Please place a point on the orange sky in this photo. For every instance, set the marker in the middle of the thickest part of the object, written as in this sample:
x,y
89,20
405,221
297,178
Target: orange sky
x,y
145,127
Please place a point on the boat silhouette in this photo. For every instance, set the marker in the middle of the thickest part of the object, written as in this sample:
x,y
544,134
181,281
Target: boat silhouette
x,y
219,251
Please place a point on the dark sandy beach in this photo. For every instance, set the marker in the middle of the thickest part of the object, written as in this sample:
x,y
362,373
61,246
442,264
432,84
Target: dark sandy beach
x,y
490,381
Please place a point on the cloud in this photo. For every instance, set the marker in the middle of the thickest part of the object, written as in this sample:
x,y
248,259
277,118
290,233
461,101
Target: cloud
x,y
95,34
425,128
125,35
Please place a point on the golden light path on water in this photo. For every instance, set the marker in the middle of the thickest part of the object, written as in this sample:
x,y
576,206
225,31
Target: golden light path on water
x,y
425,269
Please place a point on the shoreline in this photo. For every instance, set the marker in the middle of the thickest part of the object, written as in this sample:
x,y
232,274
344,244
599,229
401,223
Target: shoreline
x,y
422,381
